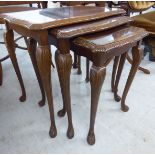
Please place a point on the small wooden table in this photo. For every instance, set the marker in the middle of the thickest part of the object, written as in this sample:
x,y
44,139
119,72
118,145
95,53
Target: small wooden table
x,y
37,25
101,48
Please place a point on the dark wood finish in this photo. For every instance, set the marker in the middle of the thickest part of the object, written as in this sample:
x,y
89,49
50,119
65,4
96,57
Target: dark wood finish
x,y
120,68
115,66
76,30
32,44
64,63
79,71
87,71
55,17
77,59
42,31
63,37
43,55
136,56
72,31
100,48
9,41
97,76
7,8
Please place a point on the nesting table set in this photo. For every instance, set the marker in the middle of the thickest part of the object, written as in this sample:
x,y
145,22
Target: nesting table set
x,y
97,33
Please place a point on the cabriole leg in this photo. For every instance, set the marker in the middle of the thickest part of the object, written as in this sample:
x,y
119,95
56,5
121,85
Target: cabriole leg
x,y
32,52
97,76
10,45
136,54
64,64
119,72
44,64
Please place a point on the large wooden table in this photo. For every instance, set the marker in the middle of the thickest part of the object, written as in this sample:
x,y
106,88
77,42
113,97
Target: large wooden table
x,y
38,25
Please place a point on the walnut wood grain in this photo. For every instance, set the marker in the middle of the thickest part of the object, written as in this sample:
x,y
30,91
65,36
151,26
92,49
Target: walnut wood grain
x,y
10,45
97,76
118,41
64,63
54,17
90,27
79,71
14,6
136,56
101,48
32,44
44,64
87,71
85,28
39,25
119,72
114,71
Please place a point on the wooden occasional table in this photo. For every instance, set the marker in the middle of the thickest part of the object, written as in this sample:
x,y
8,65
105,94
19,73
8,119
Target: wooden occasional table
x,y
15,6
101,48
37,25
113,37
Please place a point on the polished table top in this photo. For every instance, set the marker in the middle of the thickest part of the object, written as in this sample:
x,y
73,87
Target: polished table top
x,y
38,24
89,27
111,39
53,17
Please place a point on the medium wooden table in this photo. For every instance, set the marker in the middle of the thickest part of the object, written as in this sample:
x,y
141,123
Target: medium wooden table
x,y
37,25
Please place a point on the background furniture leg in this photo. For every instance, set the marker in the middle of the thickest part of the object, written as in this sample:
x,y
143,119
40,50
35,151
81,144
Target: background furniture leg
x,y
79,65
115,66
119,72
32,52
75,61
146,71
136,54
87,70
